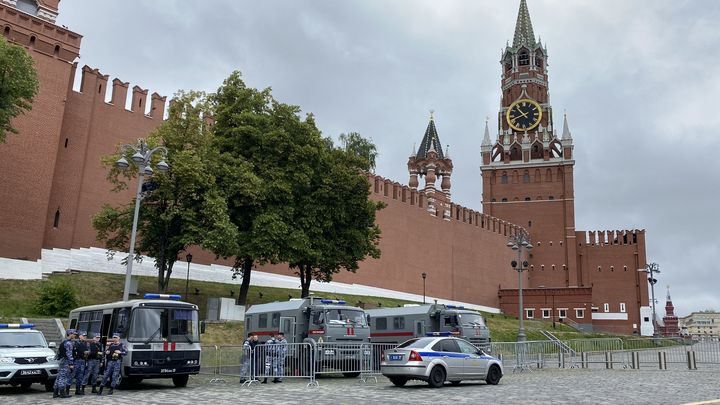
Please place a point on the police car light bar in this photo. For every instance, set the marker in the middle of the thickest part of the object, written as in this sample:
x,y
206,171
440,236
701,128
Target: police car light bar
x,y
338,302
163,296
16,325
438,334
455,306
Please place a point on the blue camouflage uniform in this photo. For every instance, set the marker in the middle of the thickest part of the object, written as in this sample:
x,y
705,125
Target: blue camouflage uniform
x,y
113,364
80,352
65,362
281,347
270,357
92,369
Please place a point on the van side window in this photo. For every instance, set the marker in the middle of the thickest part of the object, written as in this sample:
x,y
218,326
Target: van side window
x,y
262,321
275,319
381,323
398,322
318,317
449,320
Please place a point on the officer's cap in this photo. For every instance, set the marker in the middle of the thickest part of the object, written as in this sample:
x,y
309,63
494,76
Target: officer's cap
x,y
71,332
114,335
82,333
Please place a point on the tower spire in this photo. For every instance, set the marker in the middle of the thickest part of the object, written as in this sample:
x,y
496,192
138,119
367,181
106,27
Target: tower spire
x,y
431,141
486,138
524,34
566,129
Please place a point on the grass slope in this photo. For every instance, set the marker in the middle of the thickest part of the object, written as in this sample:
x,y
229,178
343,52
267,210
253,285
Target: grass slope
x,y
18,299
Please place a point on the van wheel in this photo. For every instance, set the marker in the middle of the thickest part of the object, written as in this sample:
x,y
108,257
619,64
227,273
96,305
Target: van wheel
x,y
398,381
180,380
494,375
437,377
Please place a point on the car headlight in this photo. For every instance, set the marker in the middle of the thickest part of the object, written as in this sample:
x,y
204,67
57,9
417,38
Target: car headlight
x,y
50,359
7,360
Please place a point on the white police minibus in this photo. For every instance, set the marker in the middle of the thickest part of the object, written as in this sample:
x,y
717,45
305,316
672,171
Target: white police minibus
x,y
160,332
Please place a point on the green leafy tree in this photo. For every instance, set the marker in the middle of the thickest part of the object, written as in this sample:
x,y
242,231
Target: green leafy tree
x,y
187,207
56,298
18,84
338,218
281,150
354,144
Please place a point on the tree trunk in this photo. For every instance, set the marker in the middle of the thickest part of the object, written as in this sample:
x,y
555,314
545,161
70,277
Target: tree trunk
x,y
245,285
305,279
168,272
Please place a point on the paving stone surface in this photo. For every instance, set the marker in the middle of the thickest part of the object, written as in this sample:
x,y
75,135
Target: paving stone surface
x,y
547,386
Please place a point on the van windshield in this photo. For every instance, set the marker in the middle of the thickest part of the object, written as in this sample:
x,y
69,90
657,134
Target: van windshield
x,y
159,324
470,319
343,316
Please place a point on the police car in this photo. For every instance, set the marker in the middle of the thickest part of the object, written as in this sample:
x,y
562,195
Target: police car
x,y
25,357
437,358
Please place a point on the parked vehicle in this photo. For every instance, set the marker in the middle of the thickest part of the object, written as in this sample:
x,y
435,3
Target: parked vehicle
x,y
25,357
160,332
395,325
334,331
438,359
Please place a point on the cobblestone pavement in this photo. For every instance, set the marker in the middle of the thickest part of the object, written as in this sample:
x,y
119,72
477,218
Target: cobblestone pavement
x,y
559,386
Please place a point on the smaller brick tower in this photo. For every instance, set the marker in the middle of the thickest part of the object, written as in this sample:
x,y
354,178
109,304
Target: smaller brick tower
x,y
430,161
670,321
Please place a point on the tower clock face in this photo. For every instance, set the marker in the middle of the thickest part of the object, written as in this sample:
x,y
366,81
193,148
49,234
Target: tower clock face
x,y
524,114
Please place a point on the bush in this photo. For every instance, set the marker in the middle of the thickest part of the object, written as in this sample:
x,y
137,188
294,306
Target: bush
x,y
56,298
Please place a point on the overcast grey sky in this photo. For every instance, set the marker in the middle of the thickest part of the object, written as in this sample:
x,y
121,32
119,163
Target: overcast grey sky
x,y
639,81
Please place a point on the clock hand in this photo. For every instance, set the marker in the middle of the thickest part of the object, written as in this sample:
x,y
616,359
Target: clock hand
x,y
522,113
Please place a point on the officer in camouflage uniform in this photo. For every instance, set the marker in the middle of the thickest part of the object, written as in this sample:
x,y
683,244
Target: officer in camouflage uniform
x,y
92,369
80,354
65,362
270,358
113,362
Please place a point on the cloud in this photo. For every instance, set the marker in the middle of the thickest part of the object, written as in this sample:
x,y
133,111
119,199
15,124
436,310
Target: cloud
x,y
637,78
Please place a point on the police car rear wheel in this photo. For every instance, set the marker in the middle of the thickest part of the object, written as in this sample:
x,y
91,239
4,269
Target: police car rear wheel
x,y
180,380
49,385
437,377
455,382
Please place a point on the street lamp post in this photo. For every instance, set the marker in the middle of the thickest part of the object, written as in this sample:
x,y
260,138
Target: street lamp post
x,y
519,242
142,158
424,275
187,279
652,268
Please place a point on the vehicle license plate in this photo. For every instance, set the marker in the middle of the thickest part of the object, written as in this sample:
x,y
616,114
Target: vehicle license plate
x,y
396,357
30,372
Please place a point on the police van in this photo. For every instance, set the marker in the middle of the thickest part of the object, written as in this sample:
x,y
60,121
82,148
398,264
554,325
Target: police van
x,y
339,328
160,332
25,357
396,325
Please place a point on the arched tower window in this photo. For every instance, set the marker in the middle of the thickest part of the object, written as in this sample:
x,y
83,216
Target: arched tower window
x,y
515,153
56,221
56,52
6,31
508,62
536,151
539,59
504,179
32,41
523,58
526,177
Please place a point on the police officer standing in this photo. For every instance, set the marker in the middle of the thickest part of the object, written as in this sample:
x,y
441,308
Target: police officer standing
x,y
248,351
270,359
80,353
66,361
113,362
280,353
92,368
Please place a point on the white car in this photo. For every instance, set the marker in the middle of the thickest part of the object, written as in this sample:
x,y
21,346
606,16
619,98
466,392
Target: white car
x,y
25,357
438,359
